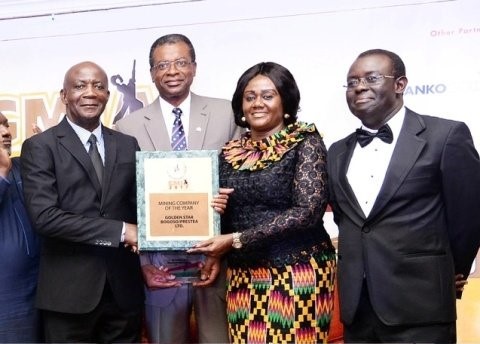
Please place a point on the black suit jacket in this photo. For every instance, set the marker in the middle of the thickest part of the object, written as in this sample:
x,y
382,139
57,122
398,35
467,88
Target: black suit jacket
x,y
80,221
423,228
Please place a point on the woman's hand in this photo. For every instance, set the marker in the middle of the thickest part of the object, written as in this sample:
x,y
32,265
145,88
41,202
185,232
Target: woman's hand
x,y
219,202
214,247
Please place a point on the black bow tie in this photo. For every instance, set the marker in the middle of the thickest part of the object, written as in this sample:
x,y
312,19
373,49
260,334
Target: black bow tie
x,y
364,137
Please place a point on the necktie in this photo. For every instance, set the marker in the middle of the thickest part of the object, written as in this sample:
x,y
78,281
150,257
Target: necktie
x,y
95,156
364,137
178,134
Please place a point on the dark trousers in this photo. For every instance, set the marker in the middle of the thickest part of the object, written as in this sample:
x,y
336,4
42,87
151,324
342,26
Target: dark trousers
x,y
107,323
368,328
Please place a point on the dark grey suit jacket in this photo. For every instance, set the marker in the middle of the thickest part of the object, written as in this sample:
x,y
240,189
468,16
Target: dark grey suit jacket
x,y
80,222
423,228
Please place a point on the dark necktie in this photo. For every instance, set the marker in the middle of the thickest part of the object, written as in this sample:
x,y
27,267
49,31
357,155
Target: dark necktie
x,y
95,156
178,134
364,137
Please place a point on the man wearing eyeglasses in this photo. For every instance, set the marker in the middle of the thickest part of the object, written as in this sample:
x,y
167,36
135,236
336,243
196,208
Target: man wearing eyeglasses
x,y
405,194
178,120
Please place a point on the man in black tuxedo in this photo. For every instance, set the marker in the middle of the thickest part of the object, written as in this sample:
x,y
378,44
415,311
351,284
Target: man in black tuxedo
x,y
90,287
406,200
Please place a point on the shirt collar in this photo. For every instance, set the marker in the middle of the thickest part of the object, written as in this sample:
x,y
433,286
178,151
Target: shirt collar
x,y
84,134
184,106
395,123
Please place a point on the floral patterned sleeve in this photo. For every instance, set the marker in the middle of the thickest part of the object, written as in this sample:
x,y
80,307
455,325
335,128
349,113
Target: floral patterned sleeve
x,y
307,197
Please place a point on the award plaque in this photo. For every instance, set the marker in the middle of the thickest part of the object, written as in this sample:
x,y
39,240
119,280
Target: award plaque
x,y
185,267
174,192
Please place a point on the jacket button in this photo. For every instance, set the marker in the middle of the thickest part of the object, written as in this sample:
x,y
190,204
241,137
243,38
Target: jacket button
x,y
366,229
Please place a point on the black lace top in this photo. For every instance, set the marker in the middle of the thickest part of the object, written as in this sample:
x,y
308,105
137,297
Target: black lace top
x,y
279,199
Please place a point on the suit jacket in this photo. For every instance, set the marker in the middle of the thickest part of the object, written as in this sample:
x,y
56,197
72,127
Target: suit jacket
x,y
19,262
81,222
423,229
211,125
215,119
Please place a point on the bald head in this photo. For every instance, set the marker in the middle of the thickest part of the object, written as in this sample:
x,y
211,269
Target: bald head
x,y
85,94
89,64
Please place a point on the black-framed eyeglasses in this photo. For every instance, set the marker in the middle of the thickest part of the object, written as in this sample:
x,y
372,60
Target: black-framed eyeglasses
x,y
179,64
369,80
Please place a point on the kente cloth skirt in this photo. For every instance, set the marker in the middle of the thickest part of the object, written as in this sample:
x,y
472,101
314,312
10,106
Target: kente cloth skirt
x,y
291,304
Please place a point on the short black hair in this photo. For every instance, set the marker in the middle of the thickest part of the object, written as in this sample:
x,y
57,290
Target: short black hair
x,y
171,39
397,63
283,81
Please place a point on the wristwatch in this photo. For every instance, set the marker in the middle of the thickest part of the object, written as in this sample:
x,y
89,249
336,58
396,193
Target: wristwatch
x,y
236,240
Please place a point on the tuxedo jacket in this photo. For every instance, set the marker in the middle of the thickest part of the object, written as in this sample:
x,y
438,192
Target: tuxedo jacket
x,y
423,229
211,125
80,220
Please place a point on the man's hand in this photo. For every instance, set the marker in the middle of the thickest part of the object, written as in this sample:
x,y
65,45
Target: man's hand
x,y
36,129
460,283
209,272
131,237
158,277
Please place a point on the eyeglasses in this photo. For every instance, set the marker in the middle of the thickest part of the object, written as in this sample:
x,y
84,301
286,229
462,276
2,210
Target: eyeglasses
x,y
179,64
368,80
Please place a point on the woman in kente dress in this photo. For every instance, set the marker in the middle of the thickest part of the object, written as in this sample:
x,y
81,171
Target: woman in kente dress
x,y
281,262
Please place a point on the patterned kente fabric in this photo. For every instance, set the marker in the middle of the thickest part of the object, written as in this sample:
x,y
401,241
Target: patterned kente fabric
x,y
278,202
291,304
280,283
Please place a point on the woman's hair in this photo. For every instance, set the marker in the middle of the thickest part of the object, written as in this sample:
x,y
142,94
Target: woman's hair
x,y
284,83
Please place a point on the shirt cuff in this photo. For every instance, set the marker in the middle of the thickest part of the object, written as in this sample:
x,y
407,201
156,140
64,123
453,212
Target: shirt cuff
x,y
124,229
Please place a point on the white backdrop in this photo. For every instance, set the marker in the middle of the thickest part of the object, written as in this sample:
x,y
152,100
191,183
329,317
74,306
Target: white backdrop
x,y
317,40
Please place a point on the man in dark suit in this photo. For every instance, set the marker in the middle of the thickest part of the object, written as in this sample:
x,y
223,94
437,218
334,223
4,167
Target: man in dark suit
x,y
19,252
406,200
90,285
208,123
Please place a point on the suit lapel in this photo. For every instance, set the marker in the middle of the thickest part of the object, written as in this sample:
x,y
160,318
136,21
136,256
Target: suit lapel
x,y
198,123
341,168
69,139
405,154
110,157
155,127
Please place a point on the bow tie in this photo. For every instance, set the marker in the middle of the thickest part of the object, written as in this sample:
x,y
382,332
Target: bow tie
x,y
364,137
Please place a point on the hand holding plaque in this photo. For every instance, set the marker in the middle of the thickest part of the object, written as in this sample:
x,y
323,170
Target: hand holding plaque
x,y
174,200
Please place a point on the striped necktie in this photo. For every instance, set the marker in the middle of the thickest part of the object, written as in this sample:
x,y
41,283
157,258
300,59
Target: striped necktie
x,y
179,141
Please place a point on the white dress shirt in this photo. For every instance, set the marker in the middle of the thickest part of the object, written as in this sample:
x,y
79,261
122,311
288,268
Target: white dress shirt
x,y
169,116
84,136
369,164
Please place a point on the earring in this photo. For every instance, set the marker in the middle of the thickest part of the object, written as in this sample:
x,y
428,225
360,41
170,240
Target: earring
x,y
286,116
243,119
